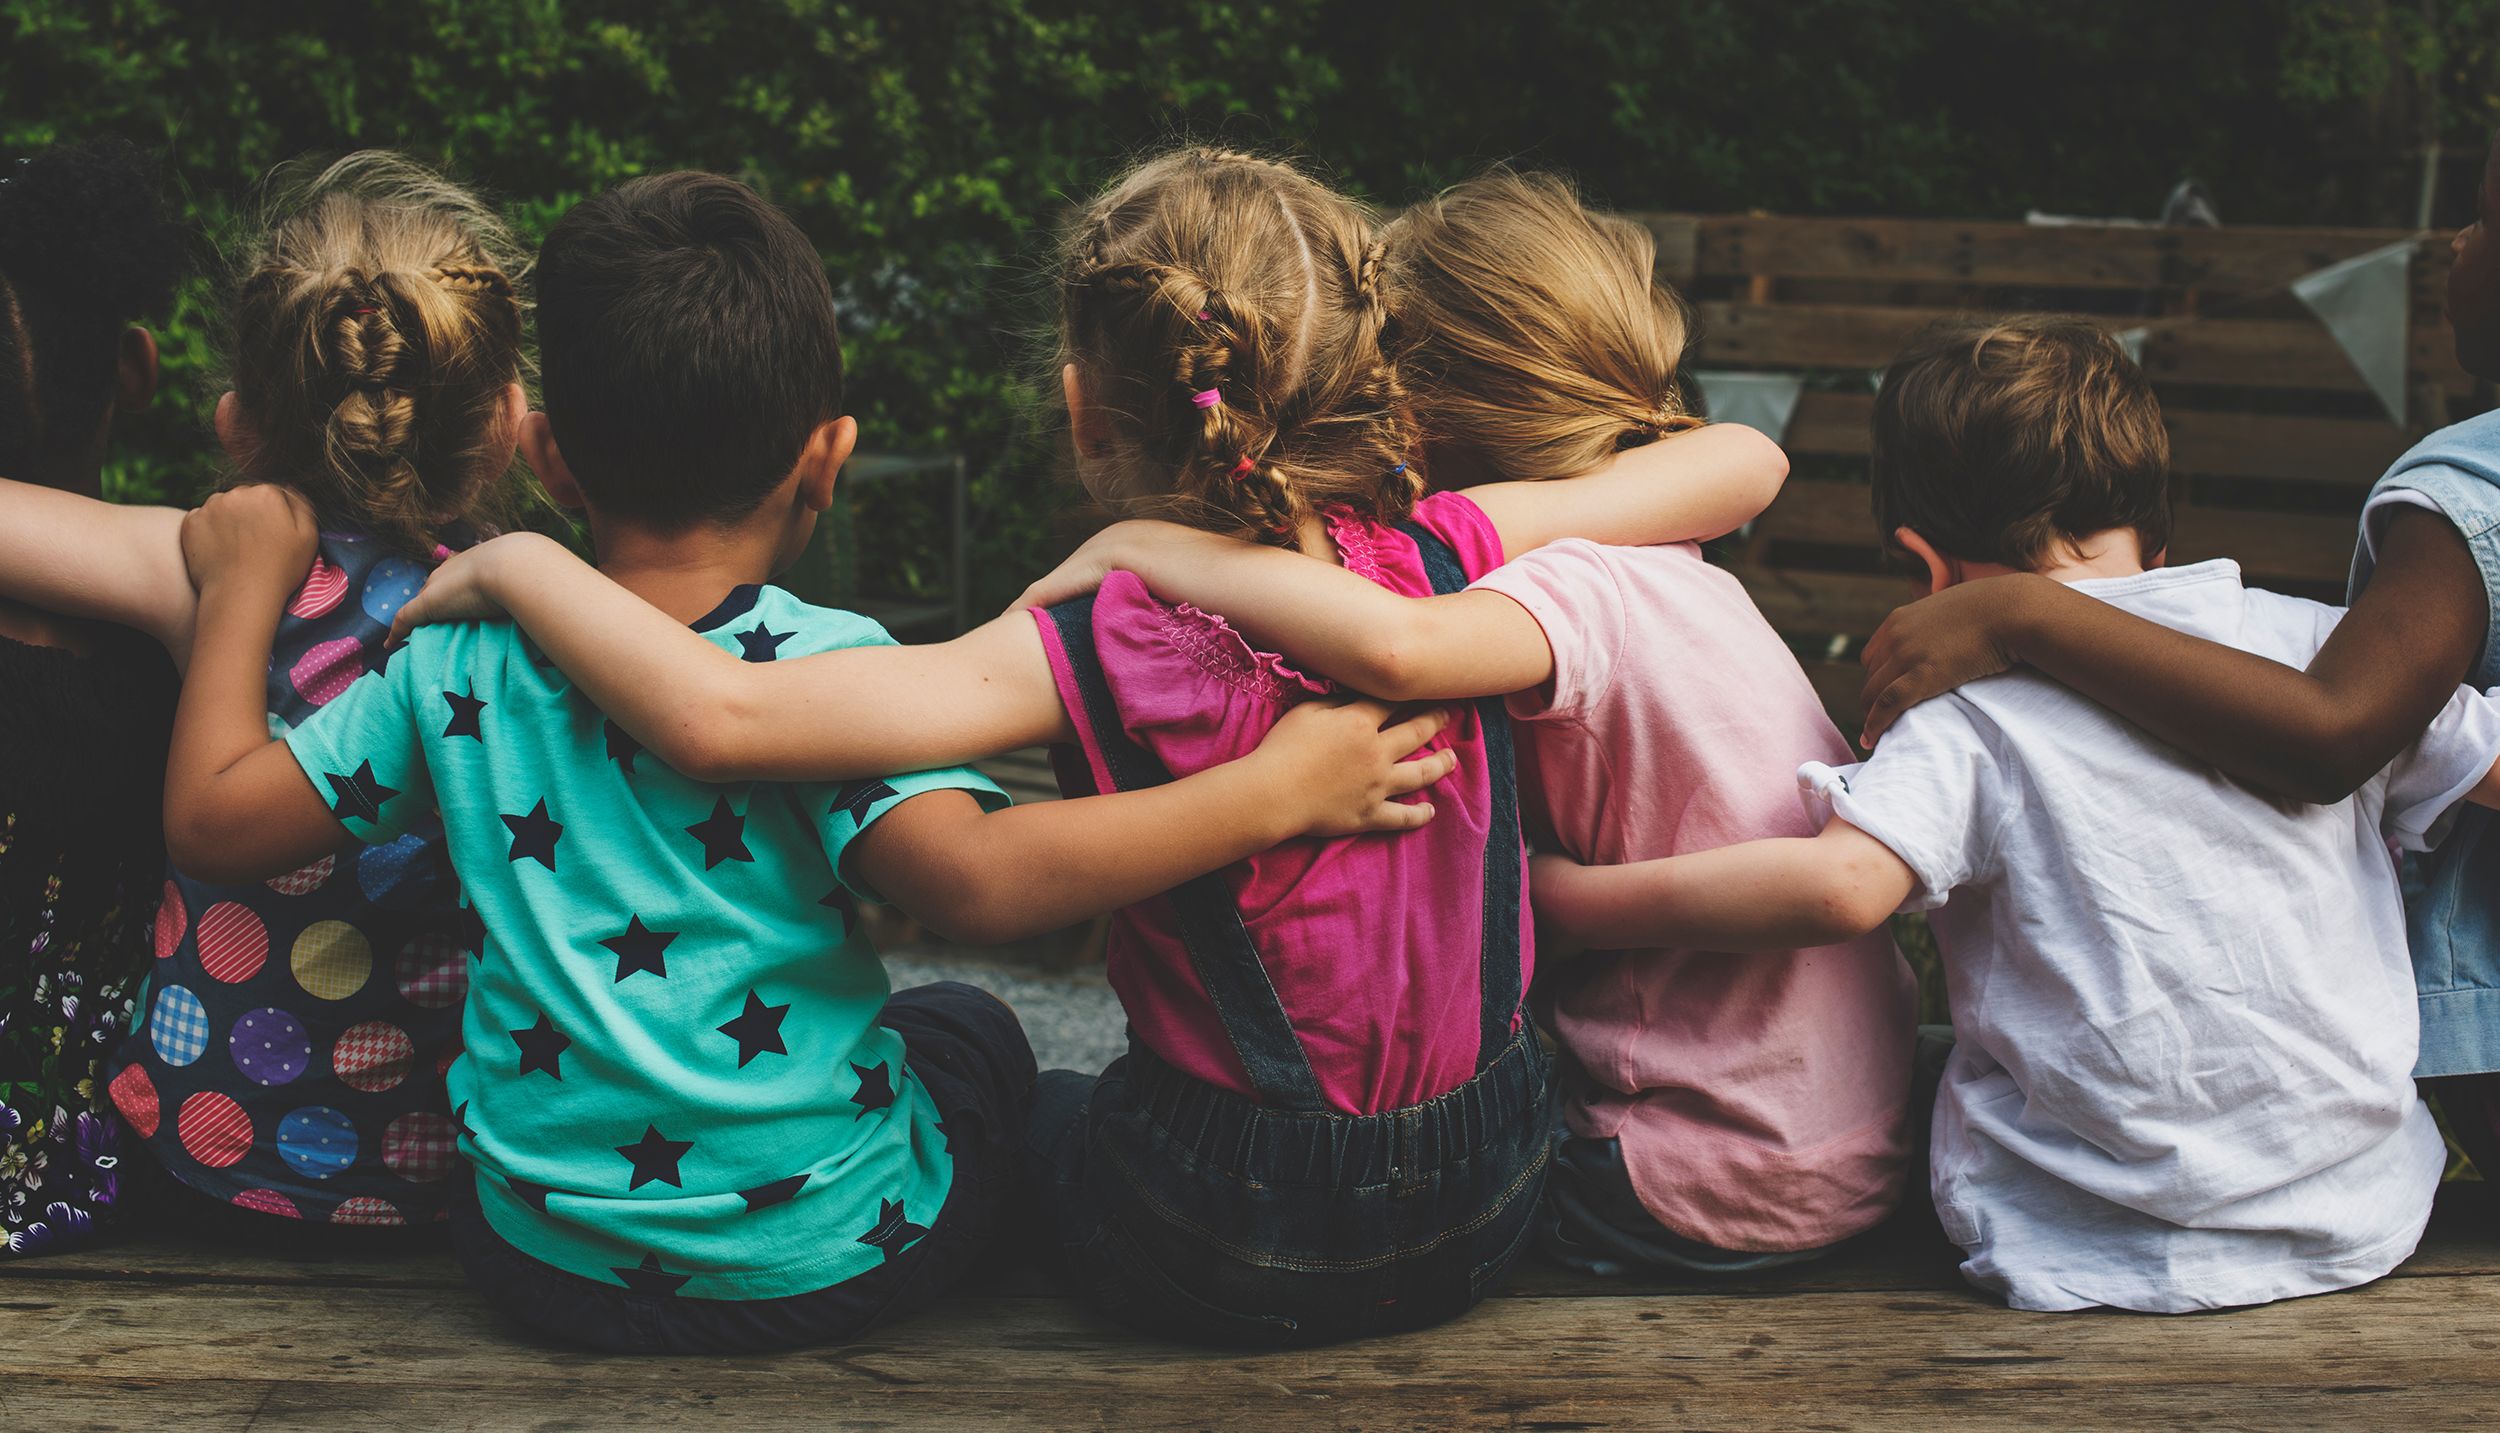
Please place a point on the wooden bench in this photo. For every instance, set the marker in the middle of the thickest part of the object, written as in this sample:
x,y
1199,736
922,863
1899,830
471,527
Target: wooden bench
x,y
159,1337
2274,435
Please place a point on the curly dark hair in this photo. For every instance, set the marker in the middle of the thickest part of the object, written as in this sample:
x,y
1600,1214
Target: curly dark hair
x,y
85,248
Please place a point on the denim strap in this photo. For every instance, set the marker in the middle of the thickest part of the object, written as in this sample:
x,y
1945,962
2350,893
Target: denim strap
x,y
1245,1000
1498,972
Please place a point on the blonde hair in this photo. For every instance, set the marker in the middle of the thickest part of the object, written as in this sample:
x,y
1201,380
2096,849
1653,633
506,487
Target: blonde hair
x,y
1209,272
376,326
1530,329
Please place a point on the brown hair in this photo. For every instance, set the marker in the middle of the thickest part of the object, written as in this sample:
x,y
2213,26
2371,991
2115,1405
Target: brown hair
x,y
686,347
375,329
1999,439
1206,270
1530,329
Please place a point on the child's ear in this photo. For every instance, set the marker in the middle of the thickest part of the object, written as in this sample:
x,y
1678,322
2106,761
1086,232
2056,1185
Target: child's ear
x,y
828,448
1084,423
134,370
234,432
1942,571
538,449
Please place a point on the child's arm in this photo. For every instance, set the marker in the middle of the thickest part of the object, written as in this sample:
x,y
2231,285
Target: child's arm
x,y
982,878
1324,618
2383,673
1787,894
835,716
237,807
1683,487
82,557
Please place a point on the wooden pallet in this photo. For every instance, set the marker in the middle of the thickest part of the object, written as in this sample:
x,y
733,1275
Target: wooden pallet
x,y
2274,437
160,1337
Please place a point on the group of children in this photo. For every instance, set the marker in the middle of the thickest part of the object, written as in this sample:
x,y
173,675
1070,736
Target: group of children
x,y
545,928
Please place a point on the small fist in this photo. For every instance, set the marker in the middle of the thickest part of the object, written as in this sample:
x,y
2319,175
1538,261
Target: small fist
x,y
262,533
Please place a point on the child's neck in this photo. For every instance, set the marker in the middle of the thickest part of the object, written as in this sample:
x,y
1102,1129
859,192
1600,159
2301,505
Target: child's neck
x,y
2115,553
685,574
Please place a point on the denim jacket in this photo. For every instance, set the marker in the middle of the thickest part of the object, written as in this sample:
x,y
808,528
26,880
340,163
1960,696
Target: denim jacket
x,y
2452,894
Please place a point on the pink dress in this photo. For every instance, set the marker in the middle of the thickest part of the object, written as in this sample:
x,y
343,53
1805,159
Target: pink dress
x,y
1372,942
1762,1100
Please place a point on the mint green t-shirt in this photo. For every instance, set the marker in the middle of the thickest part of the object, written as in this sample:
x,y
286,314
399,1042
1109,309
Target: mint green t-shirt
x,y
673,1077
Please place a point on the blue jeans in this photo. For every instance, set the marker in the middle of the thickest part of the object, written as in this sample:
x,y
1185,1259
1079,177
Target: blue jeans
x,y
1190,1212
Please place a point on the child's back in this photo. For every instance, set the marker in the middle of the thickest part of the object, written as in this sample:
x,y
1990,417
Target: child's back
x,y
1407,1020
2183,1069
1761,1102
670,991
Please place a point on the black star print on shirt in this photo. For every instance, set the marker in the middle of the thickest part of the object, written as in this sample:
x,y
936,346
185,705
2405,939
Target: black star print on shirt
x,y
534,836
542,1046
840,899
655,1156
639,949
649,1278
622,748
472,932
464,712
894,1232
532,1194
760,643
460,1121
723,834
359,795
757,1030
780,1191
857,801
876,1087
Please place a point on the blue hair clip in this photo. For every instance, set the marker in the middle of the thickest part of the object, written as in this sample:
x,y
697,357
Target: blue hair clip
x,y
1398,471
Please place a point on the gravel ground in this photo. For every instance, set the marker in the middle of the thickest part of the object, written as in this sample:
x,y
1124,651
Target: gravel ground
x,y
1071,1016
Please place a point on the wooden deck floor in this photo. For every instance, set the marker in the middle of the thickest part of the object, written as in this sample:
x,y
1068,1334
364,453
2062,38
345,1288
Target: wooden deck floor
x,y
157,1337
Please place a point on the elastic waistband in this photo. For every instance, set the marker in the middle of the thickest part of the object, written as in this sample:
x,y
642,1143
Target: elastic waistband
x,y
1227,1132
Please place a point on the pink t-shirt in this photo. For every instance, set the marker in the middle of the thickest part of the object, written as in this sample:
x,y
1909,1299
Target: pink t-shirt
x,y
1762,1100
1372,942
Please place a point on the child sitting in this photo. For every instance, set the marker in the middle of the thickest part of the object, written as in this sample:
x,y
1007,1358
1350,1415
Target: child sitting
x,y
2183,1012
282,1075
1334,1114
696,1120
1732,1112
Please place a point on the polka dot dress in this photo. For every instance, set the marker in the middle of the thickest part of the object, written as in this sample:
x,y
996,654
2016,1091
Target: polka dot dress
x,y
288,1057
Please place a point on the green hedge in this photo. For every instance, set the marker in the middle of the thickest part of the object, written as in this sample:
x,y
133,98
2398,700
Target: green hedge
x,y
927,145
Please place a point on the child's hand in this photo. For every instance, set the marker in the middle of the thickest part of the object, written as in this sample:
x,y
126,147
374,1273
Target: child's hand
x,y
258,535
1549,883
1937,643
1338,764
1123,545
464,588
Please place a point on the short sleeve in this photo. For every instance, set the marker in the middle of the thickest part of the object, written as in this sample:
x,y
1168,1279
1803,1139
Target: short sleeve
x,y
363,751
2428,779
1929,793
1571,590
848,811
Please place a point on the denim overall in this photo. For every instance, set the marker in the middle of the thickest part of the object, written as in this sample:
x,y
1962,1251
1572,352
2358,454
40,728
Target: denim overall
x,y
1194,1212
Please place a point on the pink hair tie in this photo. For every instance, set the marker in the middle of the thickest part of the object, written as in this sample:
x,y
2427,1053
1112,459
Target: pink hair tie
x,y
1244,468
1207,398
442,553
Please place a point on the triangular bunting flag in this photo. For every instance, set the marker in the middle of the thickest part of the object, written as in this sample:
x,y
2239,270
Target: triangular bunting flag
x,y
2363,302
1765,402
2132,340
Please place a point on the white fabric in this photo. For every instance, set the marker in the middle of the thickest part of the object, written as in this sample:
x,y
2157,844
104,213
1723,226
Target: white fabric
x,y
2381,508
2184,1013
2365,302
1764,402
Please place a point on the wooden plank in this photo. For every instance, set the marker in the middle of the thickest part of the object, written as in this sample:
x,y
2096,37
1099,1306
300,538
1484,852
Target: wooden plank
x,y
1999,253
2237,353
2301,547
2402,1353
1819,604
2347,451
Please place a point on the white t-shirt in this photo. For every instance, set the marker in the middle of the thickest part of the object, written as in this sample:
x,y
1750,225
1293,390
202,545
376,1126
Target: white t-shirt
x,y
2184,1013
